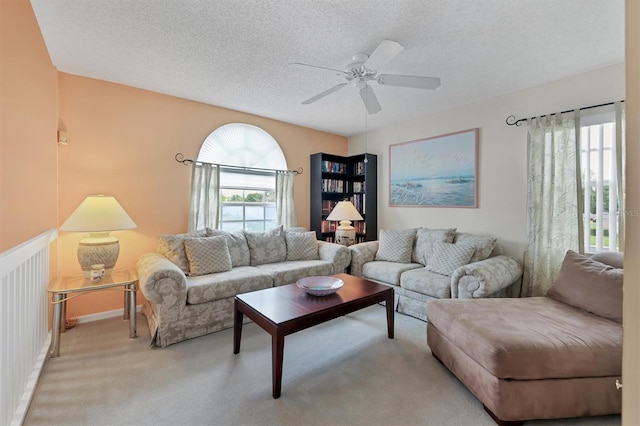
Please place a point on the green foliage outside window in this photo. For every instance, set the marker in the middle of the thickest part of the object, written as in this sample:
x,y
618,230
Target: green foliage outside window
x,y
605,199
235,198
254,197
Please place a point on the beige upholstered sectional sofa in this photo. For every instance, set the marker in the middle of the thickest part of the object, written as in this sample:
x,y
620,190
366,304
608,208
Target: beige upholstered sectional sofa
x,y
424,264
190,282
539,357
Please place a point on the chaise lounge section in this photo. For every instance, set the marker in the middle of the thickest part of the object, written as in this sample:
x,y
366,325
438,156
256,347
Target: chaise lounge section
x,y
540,357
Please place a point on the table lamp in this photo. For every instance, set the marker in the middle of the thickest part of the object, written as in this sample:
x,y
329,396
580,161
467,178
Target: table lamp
x,y
98,215
345,212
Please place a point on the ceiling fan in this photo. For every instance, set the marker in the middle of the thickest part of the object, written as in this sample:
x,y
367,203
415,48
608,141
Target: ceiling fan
x,y
363,69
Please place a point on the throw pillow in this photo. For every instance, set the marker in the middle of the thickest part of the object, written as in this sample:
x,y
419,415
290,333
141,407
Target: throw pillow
x,y
237,244
611,258
589,285
302,245
172,247
207,255
267,247
396,245
425,238
483,245
448,257
296,229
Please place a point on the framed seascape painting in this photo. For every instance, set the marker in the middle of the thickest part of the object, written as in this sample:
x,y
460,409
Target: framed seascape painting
x,y
441,171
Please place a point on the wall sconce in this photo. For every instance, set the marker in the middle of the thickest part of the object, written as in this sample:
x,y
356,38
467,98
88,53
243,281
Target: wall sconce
x,y
62,138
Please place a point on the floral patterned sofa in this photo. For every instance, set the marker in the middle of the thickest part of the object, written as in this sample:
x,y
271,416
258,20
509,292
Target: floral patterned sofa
x,y
424,264
190,282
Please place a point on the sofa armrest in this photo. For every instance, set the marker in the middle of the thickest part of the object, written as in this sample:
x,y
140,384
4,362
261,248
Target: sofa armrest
x,y
361,254
337,254
161,280
484,278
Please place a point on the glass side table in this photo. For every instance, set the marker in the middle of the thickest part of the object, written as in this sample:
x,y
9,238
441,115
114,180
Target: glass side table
x,y
65,288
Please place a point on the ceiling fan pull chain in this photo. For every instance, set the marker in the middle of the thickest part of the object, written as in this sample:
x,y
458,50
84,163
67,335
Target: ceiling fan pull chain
x,y
366,160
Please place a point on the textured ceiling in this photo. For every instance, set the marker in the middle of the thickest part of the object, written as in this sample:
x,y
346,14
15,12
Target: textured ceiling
x,y
235,53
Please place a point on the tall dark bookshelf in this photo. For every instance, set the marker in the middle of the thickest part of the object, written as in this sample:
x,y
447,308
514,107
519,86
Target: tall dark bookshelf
x,y
335,178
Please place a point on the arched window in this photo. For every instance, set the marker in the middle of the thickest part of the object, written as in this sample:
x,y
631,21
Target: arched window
x,y
247,190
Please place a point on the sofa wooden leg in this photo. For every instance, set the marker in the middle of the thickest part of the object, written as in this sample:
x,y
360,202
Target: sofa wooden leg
x,y
502,422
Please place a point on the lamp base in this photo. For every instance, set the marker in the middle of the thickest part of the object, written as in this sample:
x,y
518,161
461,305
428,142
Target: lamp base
x,y
345,237
98,248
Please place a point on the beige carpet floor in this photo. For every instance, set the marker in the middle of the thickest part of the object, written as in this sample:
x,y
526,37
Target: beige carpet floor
x,y
344,372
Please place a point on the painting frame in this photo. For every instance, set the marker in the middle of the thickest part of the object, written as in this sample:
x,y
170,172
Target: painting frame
x,y
439,171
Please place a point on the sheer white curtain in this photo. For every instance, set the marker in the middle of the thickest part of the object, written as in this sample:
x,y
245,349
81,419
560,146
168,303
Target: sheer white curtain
x,y
205,196
553,199
285,207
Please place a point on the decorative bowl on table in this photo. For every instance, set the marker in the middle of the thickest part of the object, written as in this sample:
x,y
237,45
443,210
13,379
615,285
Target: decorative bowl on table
x,y
320,286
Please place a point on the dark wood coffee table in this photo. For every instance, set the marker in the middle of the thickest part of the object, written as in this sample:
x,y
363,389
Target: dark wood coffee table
x,y
284,310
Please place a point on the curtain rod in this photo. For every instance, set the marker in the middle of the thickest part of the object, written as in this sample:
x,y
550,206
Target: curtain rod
x,y
522,120
180,159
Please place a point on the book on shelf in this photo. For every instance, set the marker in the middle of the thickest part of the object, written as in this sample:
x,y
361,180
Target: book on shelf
x,y
333,185
327,206
334,167
358,168
359,186
358,202
328,226
360,226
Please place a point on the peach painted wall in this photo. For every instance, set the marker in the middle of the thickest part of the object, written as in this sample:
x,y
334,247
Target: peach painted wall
x,y
28,125
122,142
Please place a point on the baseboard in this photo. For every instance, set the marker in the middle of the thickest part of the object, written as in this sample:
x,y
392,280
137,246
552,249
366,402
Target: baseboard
x,y
104,315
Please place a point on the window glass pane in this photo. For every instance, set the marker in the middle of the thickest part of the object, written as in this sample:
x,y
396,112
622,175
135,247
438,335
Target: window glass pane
x,y
269,225
231,195
254,197
254,226
254,212
231,212
606,166
270,212
597,163
609,135
232,226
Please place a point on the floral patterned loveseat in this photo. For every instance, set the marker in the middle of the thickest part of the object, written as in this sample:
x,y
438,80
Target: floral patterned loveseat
x,y
423,264
190,282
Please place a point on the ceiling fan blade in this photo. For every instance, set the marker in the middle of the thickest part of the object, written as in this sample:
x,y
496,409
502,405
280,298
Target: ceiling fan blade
x,y
370,100
301,65
385,52
413,81
323,94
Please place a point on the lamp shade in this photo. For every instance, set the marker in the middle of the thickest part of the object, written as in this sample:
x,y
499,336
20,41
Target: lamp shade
x,y
98,213
344,210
